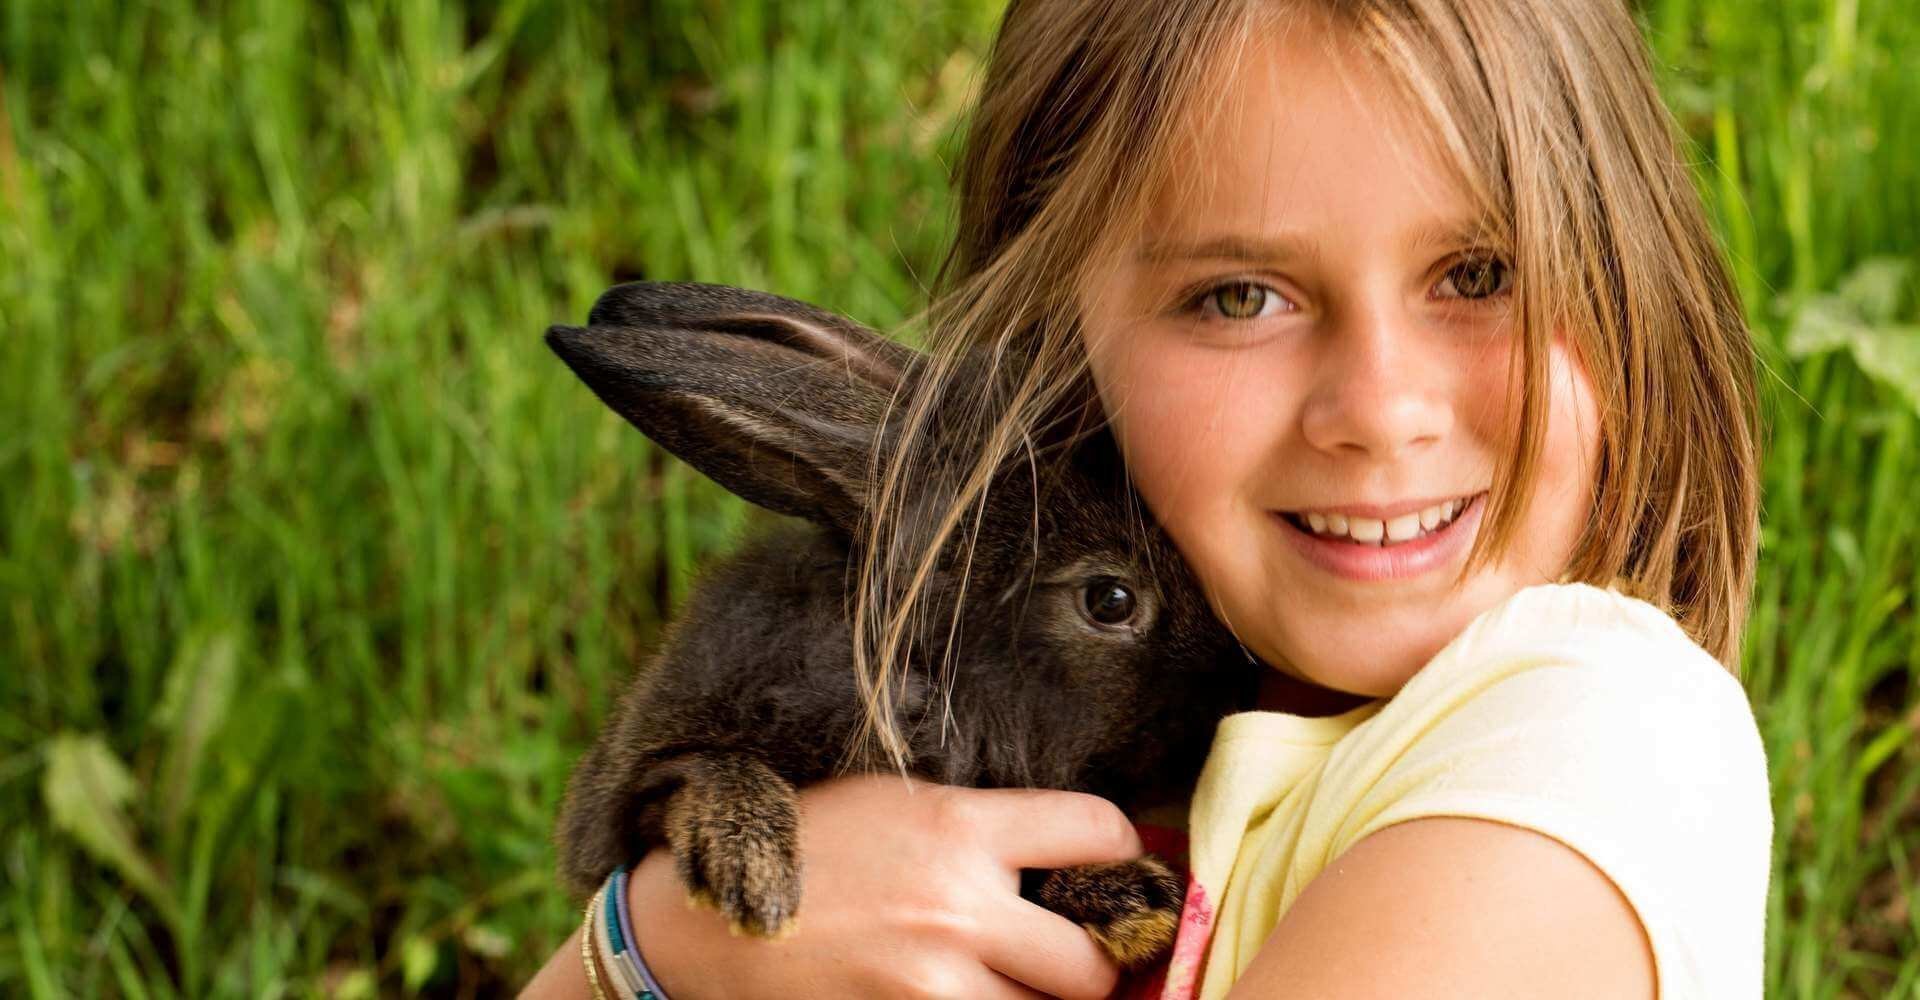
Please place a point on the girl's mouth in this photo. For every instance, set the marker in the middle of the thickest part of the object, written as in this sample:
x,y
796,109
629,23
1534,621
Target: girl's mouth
x,y
1363,548
1382,532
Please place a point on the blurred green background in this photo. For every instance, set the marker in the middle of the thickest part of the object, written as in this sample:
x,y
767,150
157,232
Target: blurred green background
x,y
316,570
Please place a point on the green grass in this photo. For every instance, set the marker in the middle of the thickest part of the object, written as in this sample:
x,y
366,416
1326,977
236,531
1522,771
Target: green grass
x,y
316,570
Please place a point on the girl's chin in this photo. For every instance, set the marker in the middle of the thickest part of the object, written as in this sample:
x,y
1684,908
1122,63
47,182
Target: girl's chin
x,y
1367,656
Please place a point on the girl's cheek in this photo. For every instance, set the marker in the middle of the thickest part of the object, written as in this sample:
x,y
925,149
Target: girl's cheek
x,y
1562,499
1574,437
1581,406
1186,418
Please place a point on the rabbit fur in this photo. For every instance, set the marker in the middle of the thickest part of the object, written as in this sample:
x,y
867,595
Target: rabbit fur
x,y
753,693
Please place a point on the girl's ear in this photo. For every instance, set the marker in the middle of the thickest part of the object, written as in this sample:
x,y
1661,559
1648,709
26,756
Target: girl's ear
x,y
774,399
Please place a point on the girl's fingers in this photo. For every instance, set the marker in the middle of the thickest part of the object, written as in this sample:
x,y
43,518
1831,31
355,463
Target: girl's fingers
x,y
1012,989
1048,953
980,982
1031,828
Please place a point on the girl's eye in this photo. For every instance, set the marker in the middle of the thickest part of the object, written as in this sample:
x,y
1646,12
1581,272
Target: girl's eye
x,y
1241,300
1476,278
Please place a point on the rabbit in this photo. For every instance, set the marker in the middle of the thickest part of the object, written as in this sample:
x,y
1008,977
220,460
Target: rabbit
x,y
1083,658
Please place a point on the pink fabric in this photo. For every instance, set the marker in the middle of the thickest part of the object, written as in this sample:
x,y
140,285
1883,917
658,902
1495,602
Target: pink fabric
x,y
1178,977
1181,979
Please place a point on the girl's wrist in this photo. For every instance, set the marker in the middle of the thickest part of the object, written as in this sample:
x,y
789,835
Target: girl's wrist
x,y
654,899
610,949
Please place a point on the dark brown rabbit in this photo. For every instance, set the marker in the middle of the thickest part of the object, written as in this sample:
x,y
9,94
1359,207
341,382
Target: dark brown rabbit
x,y
1083,657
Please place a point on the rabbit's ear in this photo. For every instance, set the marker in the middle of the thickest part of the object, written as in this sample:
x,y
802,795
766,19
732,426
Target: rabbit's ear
x,y
774,399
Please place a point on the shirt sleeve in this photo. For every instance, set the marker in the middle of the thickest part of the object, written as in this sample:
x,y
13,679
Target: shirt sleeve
x,y
1637,750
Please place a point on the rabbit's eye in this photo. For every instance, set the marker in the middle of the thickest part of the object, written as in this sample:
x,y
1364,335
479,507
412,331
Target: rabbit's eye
x,y
1108,602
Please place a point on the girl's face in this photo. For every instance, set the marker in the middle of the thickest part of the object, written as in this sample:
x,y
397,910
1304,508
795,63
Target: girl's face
x,y
1306,360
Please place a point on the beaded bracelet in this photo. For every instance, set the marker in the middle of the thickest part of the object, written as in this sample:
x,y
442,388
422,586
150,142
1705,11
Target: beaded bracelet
x,y
609,932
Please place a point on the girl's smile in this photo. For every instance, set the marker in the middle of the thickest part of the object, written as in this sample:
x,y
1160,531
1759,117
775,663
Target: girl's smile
x,y
1307,355
1374,542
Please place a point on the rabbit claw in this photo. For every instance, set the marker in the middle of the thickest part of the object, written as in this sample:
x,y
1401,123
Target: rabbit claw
x,y
1131,908
733,828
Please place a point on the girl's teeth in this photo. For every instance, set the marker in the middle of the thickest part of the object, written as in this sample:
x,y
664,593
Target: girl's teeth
x,y
1371,531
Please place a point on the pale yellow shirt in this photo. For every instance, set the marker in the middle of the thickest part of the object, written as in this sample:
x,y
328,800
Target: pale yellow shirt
x,y
1576,712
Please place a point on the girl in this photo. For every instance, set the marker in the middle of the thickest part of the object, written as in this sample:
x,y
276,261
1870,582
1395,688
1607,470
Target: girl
x,y
1408,322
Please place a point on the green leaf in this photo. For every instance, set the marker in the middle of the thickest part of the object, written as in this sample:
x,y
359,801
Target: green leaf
x,y
1876,286
86,789
358,984
192,709
1859,320
419,956
1892,355
1824,323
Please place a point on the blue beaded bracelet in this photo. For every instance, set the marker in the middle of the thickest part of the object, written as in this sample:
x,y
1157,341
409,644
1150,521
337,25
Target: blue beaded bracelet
x,y
624,949
620,979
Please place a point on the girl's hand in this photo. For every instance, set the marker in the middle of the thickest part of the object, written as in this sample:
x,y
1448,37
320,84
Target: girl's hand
x,y
910,890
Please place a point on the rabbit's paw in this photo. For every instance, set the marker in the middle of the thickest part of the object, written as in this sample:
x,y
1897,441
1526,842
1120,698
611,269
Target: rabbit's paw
x,y
734,827
1132,908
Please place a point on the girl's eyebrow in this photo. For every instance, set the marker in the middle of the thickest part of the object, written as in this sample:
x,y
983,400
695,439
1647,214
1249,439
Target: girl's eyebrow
x,y
1292,247
1464,232
1231,247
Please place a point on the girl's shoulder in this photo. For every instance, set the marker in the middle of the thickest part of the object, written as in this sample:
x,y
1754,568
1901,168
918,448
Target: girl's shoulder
x,y
1591,717
1567,697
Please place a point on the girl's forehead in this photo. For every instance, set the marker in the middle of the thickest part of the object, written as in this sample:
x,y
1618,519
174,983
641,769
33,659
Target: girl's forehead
x,y
1301,130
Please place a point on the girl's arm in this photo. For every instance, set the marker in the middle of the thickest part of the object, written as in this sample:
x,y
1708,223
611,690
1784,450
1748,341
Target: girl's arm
x,y
564,977
1447,907
911,890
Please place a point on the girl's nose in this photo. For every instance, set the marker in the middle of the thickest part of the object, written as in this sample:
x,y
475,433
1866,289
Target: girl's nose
x,y
1379,389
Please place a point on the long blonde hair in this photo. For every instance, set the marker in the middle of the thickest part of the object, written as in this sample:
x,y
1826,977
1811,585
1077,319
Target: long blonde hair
x,y
1549,114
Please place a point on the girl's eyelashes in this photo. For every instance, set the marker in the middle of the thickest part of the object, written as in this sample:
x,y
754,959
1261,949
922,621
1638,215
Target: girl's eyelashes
x,y
1475,277
1472,278
1238,299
